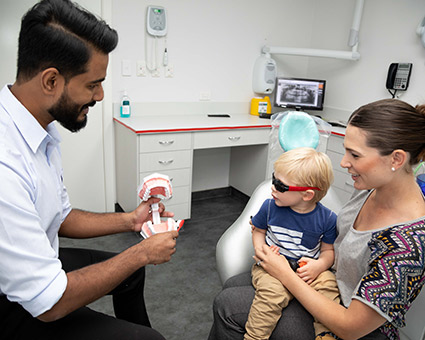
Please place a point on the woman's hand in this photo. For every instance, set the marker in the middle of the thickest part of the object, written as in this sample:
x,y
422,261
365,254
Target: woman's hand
x,y
143,213
273,263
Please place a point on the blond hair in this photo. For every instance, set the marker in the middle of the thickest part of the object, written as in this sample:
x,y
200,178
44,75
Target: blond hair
x,y
306,167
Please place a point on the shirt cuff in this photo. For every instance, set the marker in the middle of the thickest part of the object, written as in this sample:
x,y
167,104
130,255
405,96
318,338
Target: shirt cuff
x,y
48,297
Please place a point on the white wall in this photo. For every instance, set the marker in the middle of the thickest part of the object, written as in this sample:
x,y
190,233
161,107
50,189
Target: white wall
x,y
387,35
212,45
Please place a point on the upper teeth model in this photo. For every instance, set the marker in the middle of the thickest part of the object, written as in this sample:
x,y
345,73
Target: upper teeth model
x,y
157,185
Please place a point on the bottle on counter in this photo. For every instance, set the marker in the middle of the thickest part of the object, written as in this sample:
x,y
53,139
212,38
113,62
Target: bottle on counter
x,y
125,108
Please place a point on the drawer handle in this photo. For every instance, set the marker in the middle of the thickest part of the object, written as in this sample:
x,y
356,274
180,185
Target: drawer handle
x,y
234,139
166,142
166,162
351,184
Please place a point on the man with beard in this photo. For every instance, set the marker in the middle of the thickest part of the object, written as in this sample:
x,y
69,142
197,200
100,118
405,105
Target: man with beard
x,y
44,289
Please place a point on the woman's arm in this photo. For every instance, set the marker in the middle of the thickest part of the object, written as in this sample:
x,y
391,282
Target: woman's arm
x,y
348,323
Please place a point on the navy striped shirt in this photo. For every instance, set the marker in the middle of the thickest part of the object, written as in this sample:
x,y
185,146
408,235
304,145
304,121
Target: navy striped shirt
x,y
296,234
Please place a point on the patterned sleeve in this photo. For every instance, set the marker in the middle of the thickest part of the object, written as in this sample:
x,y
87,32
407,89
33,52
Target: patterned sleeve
x,y
396,271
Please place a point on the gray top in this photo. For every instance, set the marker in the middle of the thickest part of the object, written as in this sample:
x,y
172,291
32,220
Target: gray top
x,y
351,248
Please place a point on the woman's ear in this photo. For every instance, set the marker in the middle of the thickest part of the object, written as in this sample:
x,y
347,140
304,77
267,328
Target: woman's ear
x,y
51,81
399,158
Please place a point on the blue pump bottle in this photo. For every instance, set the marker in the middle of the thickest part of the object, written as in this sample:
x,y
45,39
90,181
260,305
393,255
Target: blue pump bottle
x,y
125,108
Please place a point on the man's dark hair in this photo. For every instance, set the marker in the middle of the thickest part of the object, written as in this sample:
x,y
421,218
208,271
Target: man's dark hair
x,y
60,34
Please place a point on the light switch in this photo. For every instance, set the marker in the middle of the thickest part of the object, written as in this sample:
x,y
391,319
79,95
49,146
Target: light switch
x,y
126,67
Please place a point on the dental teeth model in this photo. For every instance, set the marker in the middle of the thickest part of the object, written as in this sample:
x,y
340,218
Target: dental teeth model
x,y
157,185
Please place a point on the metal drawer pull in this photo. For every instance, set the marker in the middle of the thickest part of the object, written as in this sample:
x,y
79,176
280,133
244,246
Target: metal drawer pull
x,y
351,184
166,162
234,138
166,142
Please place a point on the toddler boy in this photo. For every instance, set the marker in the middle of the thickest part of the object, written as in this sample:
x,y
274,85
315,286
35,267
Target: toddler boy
x,y
294,224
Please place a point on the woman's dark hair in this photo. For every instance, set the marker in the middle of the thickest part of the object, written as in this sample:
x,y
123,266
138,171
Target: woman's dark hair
x,y
60,34
392,124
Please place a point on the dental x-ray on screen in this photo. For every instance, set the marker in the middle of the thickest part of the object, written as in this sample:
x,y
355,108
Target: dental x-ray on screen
x,y
301,94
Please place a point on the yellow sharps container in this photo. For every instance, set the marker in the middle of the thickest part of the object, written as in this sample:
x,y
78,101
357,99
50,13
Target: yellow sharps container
x,y
261,106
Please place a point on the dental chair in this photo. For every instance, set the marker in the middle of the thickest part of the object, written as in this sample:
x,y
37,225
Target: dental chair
x,y
234,249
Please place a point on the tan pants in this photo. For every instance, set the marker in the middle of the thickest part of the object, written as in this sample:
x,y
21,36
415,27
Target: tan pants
x,y
271,297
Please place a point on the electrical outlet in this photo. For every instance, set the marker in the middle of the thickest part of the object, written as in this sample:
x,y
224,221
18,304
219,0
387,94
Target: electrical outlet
x,y
155,73
169,71
141,68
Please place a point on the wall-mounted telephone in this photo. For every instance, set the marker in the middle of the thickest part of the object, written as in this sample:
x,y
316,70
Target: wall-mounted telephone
x,y
398,76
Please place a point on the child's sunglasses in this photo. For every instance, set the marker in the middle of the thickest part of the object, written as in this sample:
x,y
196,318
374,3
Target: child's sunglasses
x,y
282,187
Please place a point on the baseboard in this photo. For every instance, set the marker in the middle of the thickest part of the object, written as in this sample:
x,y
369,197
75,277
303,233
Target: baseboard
x,y
219,192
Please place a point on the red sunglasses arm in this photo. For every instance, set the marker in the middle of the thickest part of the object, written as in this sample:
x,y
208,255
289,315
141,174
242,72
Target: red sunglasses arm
x,y
291,188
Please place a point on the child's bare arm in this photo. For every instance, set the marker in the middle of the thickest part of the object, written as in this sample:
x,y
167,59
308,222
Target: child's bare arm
x,y
313,267
258,238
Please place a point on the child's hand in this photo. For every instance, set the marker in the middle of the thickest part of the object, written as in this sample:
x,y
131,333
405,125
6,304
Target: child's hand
x,y
308,269
275,249
252,226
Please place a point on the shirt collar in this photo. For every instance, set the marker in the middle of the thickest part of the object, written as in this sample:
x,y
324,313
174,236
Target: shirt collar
x,y
30,129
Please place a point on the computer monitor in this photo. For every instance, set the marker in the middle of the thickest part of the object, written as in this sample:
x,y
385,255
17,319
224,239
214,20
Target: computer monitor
x,y
300,94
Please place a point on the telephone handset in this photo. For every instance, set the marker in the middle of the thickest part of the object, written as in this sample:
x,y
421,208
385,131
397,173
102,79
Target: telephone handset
x,y
399,76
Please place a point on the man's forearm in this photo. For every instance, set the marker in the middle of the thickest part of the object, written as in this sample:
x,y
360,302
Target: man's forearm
x,y
83,224
88,284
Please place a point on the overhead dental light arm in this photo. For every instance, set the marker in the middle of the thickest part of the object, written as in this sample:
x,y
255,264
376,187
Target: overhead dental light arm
x,y
263,80
310,52
355,27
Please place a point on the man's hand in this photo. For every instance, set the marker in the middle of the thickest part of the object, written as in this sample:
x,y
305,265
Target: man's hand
x,y
143,213
159,247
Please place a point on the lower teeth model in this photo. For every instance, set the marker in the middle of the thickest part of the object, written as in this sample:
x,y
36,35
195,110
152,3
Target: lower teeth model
x,y
157,185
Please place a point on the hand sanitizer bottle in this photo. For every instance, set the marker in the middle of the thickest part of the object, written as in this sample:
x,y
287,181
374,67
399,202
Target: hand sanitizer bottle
x,y
125,108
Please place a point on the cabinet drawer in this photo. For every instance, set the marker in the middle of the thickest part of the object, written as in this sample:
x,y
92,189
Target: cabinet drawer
x,y
161,161
335,159
178,177
180,195
336,144
181,211
342,196
165,142
228,138
343,181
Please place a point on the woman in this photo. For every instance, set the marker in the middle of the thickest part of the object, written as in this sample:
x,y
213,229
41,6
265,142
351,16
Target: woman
x,y
381,239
